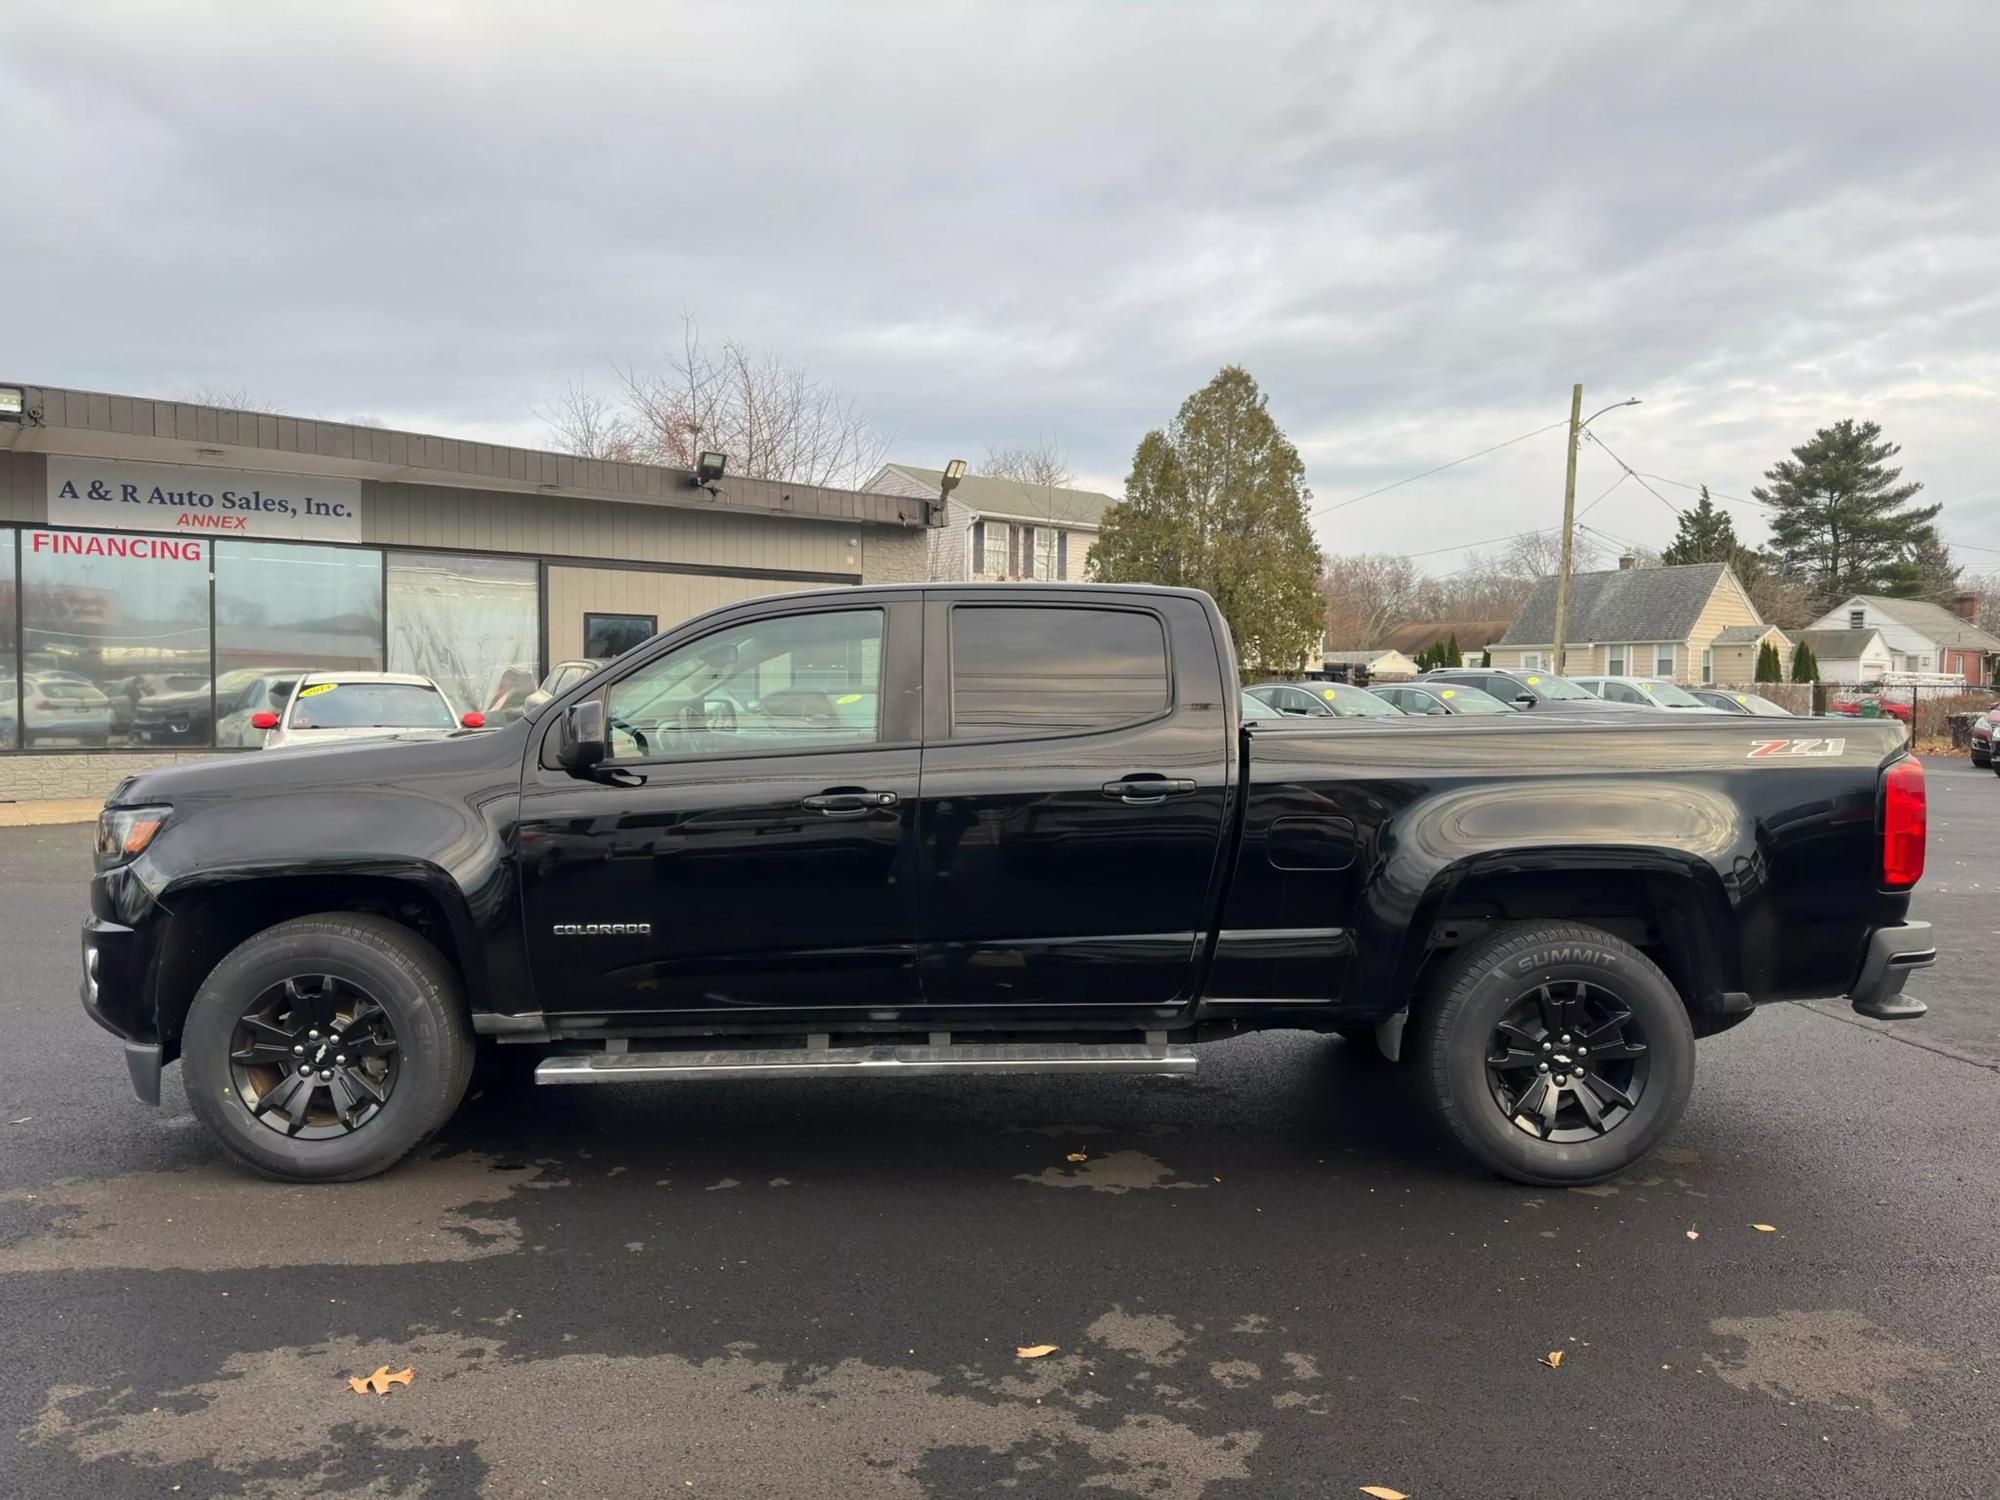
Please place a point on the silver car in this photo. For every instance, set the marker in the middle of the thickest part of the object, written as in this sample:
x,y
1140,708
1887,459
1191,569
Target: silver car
x,y
330,707
1644,692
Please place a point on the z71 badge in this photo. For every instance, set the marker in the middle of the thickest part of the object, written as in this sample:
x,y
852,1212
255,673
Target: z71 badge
x,y
1764,749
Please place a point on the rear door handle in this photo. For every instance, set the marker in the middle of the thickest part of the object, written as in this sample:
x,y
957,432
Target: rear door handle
x,y
848,802
1145,788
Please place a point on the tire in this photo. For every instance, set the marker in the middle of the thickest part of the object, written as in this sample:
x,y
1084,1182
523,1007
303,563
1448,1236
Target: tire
x,y
1527,975
421,1037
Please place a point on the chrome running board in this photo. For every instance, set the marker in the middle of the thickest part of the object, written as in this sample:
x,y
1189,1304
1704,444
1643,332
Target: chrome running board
x,y
851,1062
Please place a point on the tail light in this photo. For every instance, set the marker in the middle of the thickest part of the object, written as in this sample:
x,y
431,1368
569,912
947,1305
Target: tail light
x,y
263,719
473,719
1905,823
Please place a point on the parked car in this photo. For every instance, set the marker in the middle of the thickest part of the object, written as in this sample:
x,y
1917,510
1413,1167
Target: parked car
x,y
1322,700
1433,699
1644,692
561,677
182,712
59,706
328,707
1753,704
1256,708
1871,706
681,893
1528,691
1982,736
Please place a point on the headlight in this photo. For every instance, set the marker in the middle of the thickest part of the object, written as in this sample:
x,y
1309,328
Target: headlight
x,y
124,832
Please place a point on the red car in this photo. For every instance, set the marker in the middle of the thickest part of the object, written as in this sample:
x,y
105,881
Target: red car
x,y
1884,708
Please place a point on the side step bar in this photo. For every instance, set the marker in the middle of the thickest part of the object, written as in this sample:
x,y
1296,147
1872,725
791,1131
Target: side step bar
x,y
852,1062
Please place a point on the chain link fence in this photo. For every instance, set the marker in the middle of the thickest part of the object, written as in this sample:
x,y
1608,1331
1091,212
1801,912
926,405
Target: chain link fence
x,y
1938,713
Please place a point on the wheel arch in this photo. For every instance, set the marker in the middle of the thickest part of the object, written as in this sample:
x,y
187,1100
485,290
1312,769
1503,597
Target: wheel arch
x,y
208,918
1669,904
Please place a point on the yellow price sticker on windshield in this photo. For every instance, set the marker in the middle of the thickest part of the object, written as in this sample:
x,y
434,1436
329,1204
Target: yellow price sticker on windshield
x,y
1447,692
1741,699
1328,695
848,698
317,688
1534,682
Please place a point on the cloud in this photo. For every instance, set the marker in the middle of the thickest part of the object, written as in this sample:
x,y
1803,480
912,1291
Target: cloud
x,y
1415,226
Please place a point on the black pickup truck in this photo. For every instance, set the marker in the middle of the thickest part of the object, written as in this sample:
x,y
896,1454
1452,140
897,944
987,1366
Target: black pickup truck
x,y
998,829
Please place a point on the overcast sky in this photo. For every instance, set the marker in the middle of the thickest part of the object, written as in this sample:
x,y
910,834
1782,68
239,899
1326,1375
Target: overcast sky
x,y
1416,225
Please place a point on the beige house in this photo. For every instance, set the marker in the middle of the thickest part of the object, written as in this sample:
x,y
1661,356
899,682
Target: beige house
x,y
1380,662
1736,648
1002,528
1639,622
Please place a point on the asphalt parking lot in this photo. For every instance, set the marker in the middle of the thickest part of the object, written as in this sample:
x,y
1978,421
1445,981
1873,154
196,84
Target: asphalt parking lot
x,y
1269,1280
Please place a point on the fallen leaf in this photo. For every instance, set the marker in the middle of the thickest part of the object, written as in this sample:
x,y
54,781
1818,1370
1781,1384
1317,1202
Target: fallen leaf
x,y
1077,1156
1383,1492
1034,1351
380,1381
1694,1234
24,1119
1765,1228
1553,1359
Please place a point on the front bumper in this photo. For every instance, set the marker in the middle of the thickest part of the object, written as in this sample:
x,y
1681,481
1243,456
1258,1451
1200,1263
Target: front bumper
x,y
1892,953
112,990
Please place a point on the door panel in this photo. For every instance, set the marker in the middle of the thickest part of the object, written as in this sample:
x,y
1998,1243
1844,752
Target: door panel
x,y
1050,874
712,869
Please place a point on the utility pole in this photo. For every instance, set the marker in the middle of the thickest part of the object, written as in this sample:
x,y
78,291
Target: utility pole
x,y
1569,524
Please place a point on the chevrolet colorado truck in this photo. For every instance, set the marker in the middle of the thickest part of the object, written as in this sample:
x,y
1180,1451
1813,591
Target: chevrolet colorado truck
x,y
946,829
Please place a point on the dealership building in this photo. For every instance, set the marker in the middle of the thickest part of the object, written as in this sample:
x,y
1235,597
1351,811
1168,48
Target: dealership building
x,y
163,562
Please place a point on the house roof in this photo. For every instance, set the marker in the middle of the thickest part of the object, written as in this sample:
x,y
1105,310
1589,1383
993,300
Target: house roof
x,y
1359,658
1838,645
1627,604
1934,621
1744,635
1473,635
1014,499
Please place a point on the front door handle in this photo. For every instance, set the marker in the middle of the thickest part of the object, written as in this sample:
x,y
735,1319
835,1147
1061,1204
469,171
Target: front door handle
x,y
1147,788
848,801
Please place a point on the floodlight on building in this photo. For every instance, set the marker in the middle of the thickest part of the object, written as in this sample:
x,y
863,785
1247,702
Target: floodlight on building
x,y
708,468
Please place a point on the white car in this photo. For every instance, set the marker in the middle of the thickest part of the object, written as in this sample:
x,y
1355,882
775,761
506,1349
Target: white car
x,y
1644,692
59,706
333,707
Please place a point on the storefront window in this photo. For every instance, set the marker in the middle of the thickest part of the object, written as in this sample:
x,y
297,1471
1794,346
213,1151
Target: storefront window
x,y
282,609
10,649
471,624
109,624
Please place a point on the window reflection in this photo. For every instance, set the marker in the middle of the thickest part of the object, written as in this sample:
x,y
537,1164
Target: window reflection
x,y
10,649
470,624
108,622
281,609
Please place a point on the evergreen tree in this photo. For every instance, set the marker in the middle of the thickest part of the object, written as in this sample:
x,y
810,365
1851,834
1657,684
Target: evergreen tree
x,y
1452,658
1706,534
1925,571
1843,517
1805,666
1217,501
1769,668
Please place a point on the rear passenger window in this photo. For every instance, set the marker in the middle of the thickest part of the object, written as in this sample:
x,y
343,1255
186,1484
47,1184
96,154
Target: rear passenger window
x,y
1026,670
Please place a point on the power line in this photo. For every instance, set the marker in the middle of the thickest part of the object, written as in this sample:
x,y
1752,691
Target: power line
x,y
1412,479
1635,474
1594,504
1488,542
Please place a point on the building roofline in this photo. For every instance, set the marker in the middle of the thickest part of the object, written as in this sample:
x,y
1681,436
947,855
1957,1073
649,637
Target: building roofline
x,y
188,434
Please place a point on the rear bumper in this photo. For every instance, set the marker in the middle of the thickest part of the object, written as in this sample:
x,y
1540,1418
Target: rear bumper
x,y
1893,952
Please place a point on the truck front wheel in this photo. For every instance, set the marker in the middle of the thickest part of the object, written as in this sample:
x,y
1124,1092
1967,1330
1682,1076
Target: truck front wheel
x,y
1555,1053
325,1048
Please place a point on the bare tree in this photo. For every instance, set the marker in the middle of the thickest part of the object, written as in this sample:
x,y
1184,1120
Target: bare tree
x,y
772,416
1366,596
230,398
588,424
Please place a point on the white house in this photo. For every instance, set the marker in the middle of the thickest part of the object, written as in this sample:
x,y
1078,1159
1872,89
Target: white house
x,y
1921,637
1002,528
1847,656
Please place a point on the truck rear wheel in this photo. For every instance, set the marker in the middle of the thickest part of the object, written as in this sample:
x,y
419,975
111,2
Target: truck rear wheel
x,y
325,1048
1555,1053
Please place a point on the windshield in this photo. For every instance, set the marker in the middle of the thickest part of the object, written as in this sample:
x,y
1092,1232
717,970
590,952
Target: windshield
x,y
1354,703
1548,685
1667,695
370,705
1763,707
1471,700
1254,708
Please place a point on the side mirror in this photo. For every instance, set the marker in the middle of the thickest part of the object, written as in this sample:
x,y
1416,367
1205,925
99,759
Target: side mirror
x,y
263,719
473,719
583,738
1524,700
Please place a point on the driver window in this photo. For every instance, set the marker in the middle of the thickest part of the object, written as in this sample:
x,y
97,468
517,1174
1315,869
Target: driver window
x,y
794,682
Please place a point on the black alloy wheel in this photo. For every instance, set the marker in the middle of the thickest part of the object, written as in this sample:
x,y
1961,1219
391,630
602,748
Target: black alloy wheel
x,y
314,1057
1567,1062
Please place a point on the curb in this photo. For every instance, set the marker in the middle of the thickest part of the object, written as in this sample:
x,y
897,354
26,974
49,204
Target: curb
x,y
49,813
